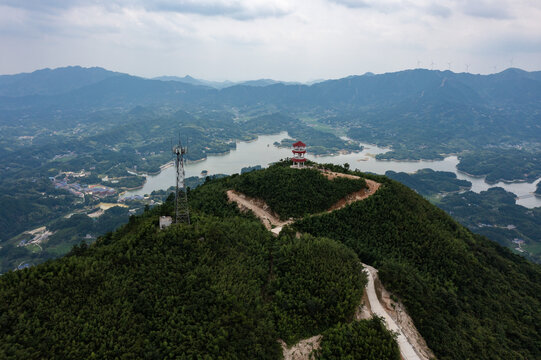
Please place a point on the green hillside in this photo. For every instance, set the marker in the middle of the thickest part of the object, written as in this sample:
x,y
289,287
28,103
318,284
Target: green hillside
x,y
225,287
222,287
366,339
469,297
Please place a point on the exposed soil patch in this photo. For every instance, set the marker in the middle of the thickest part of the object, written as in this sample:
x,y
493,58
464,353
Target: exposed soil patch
x,y
333,175
356,196
269,219
363,311
302,349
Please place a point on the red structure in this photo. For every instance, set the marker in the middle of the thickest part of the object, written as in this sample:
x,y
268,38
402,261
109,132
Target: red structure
x,y
299,151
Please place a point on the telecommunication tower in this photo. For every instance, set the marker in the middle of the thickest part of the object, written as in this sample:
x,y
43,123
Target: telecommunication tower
x,y
181,197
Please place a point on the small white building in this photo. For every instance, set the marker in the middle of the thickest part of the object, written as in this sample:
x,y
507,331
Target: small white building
x,y
165,221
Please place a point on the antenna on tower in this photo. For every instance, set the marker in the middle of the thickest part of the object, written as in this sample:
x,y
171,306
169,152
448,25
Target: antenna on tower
x,y
182,214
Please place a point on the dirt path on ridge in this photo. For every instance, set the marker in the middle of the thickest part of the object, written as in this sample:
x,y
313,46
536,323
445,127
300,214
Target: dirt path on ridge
x,y
270,220
356,196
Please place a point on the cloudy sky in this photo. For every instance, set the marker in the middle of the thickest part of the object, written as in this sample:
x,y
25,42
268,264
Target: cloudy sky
x,y
288,40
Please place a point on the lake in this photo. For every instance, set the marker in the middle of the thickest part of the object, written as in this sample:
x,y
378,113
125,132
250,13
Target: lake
x,y
263,152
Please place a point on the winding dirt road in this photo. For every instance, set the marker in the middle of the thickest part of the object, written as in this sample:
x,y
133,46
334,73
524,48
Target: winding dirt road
x,y
375,301
407,351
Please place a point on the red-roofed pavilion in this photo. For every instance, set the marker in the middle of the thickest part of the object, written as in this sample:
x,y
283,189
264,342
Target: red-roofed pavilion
x,y
299,151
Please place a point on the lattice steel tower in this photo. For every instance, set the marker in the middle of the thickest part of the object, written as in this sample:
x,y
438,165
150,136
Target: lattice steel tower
x,y
182,214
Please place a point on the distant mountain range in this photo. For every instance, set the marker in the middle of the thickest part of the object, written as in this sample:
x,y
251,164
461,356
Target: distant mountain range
x,y
421,113
99,87
60,80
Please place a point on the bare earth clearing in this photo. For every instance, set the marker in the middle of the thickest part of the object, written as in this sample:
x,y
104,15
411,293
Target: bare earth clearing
x,y
271,220
356,196
302,349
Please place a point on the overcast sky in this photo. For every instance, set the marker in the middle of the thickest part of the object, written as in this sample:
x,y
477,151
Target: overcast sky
x,y
286,40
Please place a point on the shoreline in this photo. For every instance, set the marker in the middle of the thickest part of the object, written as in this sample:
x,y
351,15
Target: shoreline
x,y
411,161
196,161
219,153
492,183
133,188
171,163
444,157
340,152
471,175
167,165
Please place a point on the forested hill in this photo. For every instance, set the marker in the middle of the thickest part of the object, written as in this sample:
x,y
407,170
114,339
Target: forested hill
x,y
225,287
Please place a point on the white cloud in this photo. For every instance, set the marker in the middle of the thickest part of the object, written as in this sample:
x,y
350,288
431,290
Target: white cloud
x,y
237,9
493,9
242,39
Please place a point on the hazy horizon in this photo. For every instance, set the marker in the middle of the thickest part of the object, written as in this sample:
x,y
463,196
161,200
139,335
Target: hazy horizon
x,y
233,81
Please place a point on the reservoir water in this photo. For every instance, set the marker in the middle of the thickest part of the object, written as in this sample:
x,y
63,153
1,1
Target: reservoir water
x,y
263,152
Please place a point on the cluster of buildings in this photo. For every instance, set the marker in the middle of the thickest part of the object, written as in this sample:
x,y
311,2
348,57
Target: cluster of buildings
x,y
519,243
131,198
79,190
99,190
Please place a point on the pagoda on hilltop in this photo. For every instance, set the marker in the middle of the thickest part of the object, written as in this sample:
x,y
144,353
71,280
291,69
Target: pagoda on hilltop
x,y
299,151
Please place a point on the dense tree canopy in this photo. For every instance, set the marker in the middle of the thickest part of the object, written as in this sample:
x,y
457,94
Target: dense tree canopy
x,y
222,287
359,340
142,293
318,282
